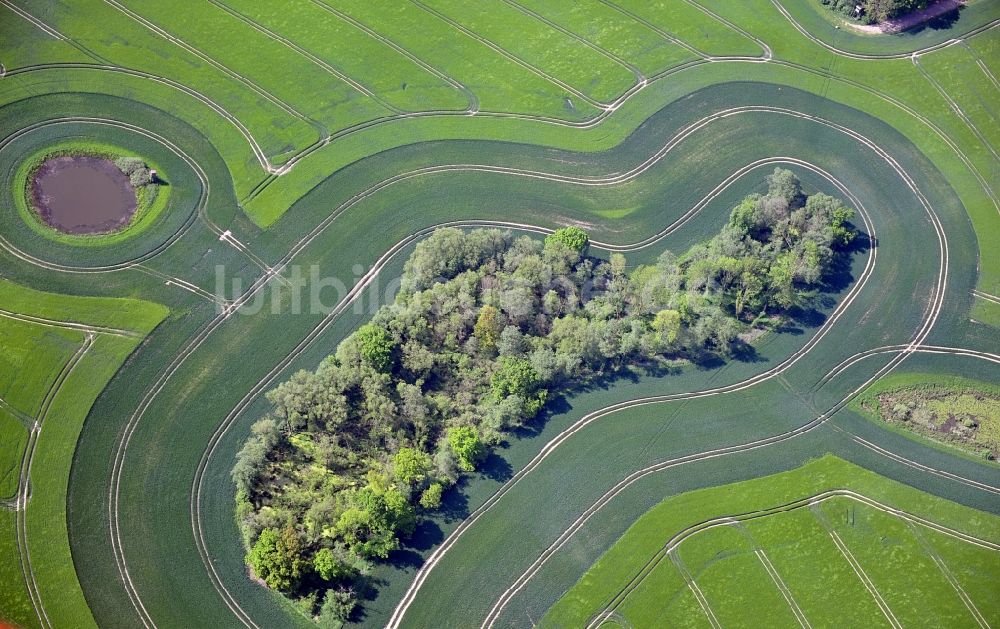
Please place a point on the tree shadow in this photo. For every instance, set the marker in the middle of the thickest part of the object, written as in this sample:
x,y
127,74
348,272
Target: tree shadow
x,y
746,353
839,275
454,504
426,535
495,467
940,23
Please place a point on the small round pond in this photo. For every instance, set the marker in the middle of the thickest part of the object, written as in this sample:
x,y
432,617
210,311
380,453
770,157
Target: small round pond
x,y
80,194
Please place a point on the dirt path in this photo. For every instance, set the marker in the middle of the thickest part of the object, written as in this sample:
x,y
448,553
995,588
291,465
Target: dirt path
x,y
909,20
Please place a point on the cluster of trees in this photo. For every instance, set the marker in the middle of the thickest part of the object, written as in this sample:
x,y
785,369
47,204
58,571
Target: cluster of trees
x,y
485,328
874,11
138,172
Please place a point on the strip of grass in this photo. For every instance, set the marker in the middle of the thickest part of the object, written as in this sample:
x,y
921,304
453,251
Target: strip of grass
x,y
545,48
902,572
150,199
399,80
614,32
47,535
30,359
15,604
13,438
644,538
33,46
120,313
46,517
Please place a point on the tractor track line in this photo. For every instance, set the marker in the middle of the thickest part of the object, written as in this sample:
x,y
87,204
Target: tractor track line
x,y
931,318
68,325
24,482
607,54
263,384
199,210
875,57
674,542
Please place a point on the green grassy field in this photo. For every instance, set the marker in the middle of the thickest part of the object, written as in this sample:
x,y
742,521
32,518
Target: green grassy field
x,y
74,369
330,133
769,532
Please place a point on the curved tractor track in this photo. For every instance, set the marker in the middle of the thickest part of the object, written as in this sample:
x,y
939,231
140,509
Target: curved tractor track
x,y
197,487
918,343
803,503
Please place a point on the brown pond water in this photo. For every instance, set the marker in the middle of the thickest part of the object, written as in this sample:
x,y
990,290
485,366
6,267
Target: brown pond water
x,y
83,195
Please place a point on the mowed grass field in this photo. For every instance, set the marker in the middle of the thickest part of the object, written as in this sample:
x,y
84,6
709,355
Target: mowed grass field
x,y
829,542
330,133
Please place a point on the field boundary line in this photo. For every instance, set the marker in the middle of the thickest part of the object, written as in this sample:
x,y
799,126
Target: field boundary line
x,y
855,565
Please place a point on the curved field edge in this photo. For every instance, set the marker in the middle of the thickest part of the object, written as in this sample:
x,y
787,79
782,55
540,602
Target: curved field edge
x,y
891,120
604,580
266,208
395,232
46,519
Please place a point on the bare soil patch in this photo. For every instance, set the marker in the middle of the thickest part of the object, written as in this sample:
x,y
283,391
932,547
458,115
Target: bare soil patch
x,y
910,20
79,194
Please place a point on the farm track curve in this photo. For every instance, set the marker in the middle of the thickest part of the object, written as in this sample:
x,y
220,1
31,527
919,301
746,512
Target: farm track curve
x,y
272,271
801,503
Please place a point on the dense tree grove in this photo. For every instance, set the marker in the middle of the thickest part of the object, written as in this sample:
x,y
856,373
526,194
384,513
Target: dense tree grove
x,y
485,329
873,11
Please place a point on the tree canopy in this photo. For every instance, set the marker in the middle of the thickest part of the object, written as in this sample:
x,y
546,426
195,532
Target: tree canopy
x,y
486,328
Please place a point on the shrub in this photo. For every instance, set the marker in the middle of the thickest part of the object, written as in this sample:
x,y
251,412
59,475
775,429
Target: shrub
x,y
572,237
